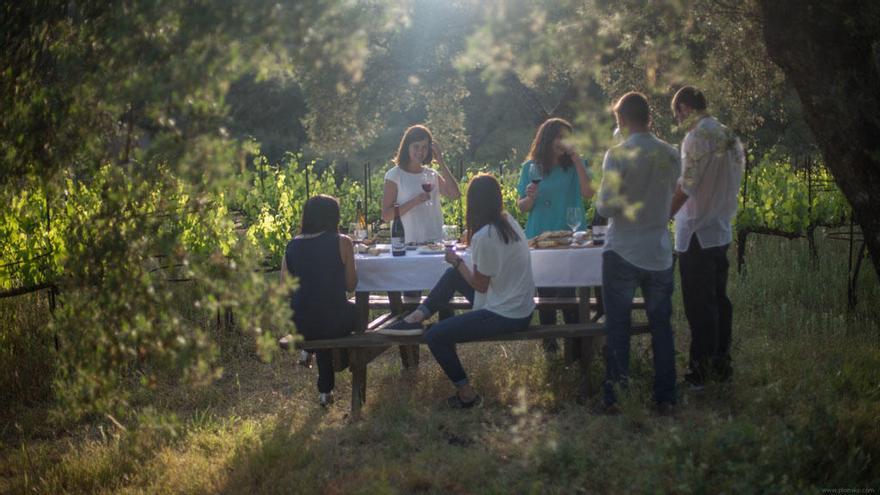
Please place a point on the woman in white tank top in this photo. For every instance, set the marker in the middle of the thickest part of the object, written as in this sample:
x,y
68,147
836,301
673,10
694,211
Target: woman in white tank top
x,y
419,206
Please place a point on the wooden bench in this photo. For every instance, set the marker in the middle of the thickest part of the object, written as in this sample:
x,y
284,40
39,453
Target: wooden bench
x,y
363,348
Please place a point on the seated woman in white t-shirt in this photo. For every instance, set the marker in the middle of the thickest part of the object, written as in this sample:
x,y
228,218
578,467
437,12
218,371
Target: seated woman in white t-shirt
x,y
500,286
419,209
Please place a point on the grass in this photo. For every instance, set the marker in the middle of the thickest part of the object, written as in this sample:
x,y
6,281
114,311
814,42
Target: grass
x,y
801,415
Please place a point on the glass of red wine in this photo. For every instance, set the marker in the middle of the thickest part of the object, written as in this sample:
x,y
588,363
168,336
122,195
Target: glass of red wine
x,y
428,185
535,173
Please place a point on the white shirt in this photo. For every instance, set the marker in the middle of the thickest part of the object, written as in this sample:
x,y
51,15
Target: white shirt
x,y
712,164
509,268
423,223
638,180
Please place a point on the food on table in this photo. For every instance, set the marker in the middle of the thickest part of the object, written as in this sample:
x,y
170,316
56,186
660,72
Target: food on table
x,y
581,236
431,248
550,243
553,234
376,251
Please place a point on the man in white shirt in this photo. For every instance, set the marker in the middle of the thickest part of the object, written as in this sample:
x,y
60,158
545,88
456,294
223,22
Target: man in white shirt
x,y
704,205
638,179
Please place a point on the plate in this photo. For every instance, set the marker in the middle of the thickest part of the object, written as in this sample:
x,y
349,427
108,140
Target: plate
x,y
430,250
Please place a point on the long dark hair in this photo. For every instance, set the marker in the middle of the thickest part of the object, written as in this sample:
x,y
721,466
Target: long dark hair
x,y
414,134
320,214
541,150
484,207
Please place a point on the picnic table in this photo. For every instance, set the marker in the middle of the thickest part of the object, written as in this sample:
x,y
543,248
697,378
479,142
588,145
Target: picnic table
x,y
383,279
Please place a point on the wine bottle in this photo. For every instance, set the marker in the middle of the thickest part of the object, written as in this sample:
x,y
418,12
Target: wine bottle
x,y
599,228
398,238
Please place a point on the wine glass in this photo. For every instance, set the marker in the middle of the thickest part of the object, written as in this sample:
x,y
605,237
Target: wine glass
x,y
357,232
450,234
535,173
573,218
360,234
428,184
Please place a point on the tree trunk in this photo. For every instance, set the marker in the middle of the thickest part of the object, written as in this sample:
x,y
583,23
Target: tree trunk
x,y
829,51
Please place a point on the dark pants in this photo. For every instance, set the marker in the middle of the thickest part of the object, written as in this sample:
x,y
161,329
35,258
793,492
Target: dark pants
x,y
345,325
439,297
474,325
548,316
708,310
619,282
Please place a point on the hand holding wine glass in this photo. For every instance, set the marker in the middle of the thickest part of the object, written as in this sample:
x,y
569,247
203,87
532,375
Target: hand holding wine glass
x,y
428,184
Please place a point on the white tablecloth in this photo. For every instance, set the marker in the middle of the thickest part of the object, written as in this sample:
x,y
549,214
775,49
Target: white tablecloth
x,y
581,267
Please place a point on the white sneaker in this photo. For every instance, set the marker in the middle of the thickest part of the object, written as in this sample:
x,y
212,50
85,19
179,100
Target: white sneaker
x,y
305,359
325,399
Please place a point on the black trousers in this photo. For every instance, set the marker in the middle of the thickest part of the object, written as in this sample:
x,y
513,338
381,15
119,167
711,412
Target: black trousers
x,y
345,325
548,316
708,309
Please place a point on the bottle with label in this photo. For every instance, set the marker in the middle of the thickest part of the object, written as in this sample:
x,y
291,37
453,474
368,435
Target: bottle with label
x,y
599,228
398,238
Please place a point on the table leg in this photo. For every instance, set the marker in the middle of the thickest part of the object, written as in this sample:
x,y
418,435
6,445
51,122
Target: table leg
x,y
409,354
572,346
362,305
586,345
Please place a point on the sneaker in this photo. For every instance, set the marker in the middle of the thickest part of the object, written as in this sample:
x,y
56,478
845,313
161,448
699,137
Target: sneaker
x,y
455,402
402,328
325,399
305,359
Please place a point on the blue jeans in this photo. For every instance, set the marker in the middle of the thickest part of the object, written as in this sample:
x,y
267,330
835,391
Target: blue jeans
x,y
450,283
619,281
474,325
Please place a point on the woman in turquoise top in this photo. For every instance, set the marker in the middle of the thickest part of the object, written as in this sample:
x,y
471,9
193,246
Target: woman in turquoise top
x,y
553,179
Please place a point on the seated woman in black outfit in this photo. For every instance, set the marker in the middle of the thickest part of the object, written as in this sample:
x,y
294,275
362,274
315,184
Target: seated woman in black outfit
x,y
323,261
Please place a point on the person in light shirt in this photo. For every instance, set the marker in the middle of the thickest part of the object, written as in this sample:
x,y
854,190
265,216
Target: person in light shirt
x,y
500,286
704,205
638,179
419,209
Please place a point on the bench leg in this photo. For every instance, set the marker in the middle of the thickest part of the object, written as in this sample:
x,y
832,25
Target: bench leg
x,y
571,349
409,356
588,354
358,366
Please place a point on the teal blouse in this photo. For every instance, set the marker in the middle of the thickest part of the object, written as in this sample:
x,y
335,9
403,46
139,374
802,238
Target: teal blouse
x,y
557,192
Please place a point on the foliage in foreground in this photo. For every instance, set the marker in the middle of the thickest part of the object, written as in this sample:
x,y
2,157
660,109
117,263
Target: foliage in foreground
x,y
800,417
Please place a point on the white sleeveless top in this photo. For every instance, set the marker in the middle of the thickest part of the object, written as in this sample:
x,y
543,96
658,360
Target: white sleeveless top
x,y
423,223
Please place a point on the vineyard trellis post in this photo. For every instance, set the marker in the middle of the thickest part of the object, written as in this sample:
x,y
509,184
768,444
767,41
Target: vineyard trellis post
x,y
461,197
308,189
367,192
741,233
